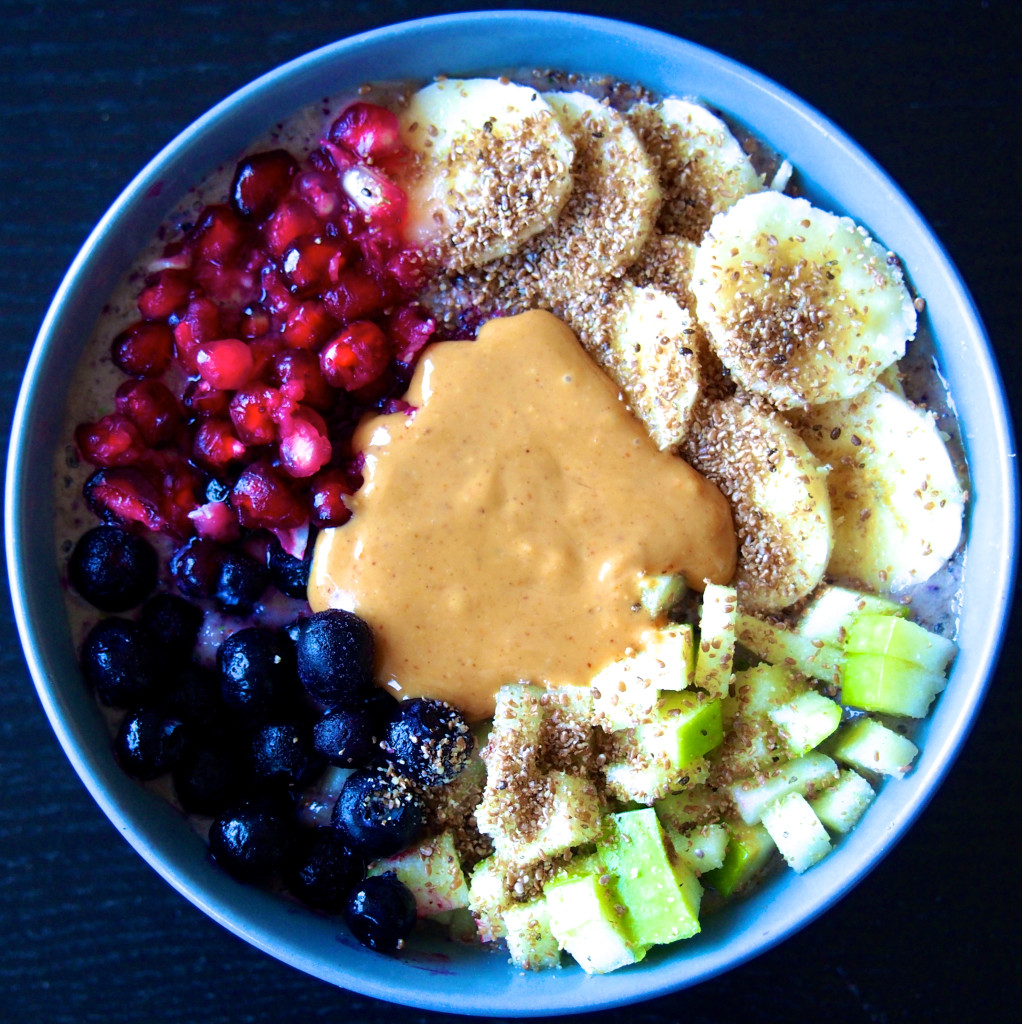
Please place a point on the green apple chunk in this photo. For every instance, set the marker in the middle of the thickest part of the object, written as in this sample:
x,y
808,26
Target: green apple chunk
x,y
432,870
702,849
900,638
660,903
658,594
797,831
749,851
776,645
688,726
530,941
809,773
715,654
805,721
842,805
889,685
833,609
585,921
679,812
488,899
867,745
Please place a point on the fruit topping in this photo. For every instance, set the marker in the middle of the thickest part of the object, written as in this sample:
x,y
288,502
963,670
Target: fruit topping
x,y
282,756
112,569
251,840
260,181
378,812
148,744
256,667
429,740
381,913
240,582
335,657
322,869
123,664
349,737
173,623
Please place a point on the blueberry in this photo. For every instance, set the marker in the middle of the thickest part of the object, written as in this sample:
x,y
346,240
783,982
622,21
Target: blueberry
x,y
281,755
349,737
123,664
377,812
322,869
193,695
251,840
149,744
335,657
240,582
288,574
112,569
429,740
256,669
196,567
209,775
174,623
381,912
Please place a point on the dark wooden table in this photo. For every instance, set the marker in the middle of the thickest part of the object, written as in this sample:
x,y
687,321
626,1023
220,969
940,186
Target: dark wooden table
x,y
88,92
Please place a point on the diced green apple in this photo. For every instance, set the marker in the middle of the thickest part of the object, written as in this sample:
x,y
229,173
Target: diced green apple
x,y
833,609
805,721
812,771
702,849
797,831
868,745
680,811
530,941
788,649
874,682
488,899
432,870
658,594
842,805
900,638
715,653
749,851
688,727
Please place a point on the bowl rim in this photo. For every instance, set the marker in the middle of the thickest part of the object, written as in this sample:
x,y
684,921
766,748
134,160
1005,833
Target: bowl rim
x,y
245,913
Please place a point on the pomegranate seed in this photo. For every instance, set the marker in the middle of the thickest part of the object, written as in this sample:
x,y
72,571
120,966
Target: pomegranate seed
x,y
299,374
294,541
168,293
290,220
379,244
327,492
263,498
144,350
264,352
260,181
277,297
124,494
255,322
410,329
111,441
152,407
408,269
253,411
181,490
232,286
215,443
357,296
215,521
315,188
309,325
311,264
199,323
218,235
202,399
368,130
356,357
304,446
375,195
225,364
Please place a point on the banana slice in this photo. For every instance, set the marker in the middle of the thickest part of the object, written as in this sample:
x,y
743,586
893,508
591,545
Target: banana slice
x,y
897,501
703,168
779,499
491,169
802,306
648,345
666,263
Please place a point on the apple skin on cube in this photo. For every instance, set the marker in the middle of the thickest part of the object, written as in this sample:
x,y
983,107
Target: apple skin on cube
x,y
432,871
784,647
814,770
693,726
875,682
797,831
833,609
748,852
900,638
869,745
841,806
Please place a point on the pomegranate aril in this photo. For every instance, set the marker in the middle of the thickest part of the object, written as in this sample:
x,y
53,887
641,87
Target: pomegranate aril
x,y
145,349
304,446
202,399
309,325
264,351
375,195
152,407
299,374
262,497
292,219
199,323
215,520
124,494
407,268
410,329
181,488
356,357
327,492
216,445
254,322
218,235
320,193
260,181
113,440
368,130
312,263
357,296
226,363
230,286
253,410
167,293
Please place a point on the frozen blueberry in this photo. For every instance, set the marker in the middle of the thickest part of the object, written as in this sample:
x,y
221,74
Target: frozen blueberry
x,y
196,567
123,664
251,840
281,755
349,737
335,657
193,695
256,669
241,581
209,775
288,574
174,623
322,869
381,912
112,569
377,812
149,744
428,740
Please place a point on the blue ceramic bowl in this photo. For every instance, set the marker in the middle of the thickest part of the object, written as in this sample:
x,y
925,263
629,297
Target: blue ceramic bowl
x,y
842,178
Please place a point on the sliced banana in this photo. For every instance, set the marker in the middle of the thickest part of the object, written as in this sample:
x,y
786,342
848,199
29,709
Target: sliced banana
x,y
703,168
896,498
492,168
802,306
779,499
666,263
648,345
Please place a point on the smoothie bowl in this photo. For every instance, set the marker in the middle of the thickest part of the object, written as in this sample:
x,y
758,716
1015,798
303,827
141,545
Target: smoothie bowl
x,y
633,828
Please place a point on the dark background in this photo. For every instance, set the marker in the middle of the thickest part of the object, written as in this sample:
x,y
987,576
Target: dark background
x,y
89,92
